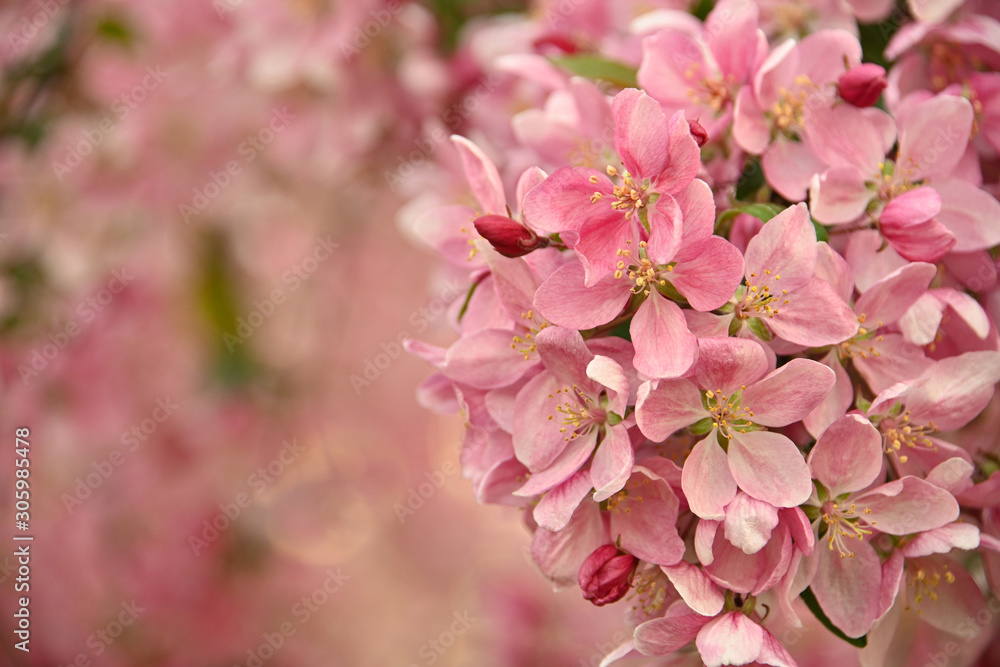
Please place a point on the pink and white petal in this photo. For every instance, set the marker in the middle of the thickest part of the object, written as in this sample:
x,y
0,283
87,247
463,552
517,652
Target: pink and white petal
x,y
704,540
564,466
695,588
814,316
685,158
697,204
774,654
642,136
663,636
666,228
749,523
750,127
624,650
892,574
889,361
559,555
664,348
666,56
839,195
845,136
788,393
892,296
709,280
824,53
732,37
730,639
555,509
566,356
942,540
601,237
566,301
953,475
970,213
664,407
648,529
933,135
967,308
848,589
726,364
799,528
706,480
956,390
484,360
609,373
497,485
785,246
448,230
919,324
790,166
562,203
483,177
836,403
537,440
907,505
769,467
959,604
612,464
848,456
869,261
529,178
831,267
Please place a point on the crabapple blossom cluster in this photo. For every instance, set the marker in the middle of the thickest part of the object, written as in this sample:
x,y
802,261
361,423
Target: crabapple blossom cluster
x,y
730,336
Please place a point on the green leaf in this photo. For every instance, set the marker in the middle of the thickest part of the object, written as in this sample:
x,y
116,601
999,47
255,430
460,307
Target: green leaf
x,y
813,604
821,233
751,180
763,212
593,66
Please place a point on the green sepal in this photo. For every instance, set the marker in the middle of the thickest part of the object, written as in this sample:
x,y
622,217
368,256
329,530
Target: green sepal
x,y
863,404
702,426
759,329
812,512
614,419
821,491
763,212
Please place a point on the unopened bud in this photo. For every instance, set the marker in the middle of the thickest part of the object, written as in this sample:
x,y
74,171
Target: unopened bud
x,y
862,85
606,575
509,237
698,132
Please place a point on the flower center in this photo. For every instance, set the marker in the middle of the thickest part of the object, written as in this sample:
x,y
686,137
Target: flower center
x,y
759,299
580,414
643,273
788,112
712,92
923,583
857,345
898,432
843,523
630,196
525,343
650,590
726,412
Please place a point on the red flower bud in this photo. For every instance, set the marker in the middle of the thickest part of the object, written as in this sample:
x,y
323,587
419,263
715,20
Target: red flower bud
x,y
509,237
606,575
862,85
698,132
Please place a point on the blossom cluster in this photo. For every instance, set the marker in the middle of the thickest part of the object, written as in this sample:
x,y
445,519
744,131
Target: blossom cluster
x,y
730,337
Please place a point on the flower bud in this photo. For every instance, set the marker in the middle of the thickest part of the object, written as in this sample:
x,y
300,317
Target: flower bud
x,y
606,575
862,85
699,133
509,237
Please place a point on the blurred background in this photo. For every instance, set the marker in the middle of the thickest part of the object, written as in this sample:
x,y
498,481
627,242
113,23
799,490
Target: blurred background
x,y
203,286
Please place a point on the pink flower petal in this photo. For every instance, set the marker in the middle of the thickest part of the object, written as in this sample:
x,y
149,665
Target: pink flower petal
x,y
565,300
907,505
970,213
892,296
695,588
790,167
848,588
556,507
839,195
569,461
932,137
725,364
645,520
848,457
956,390
730,639
749,523
845,136
836,403
710,279
483,177
642,136
706,479
664,348
697,204
485,360
560,554
814,316
612,464
562,201
769,467
667,406
788,393
662,636
785,247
